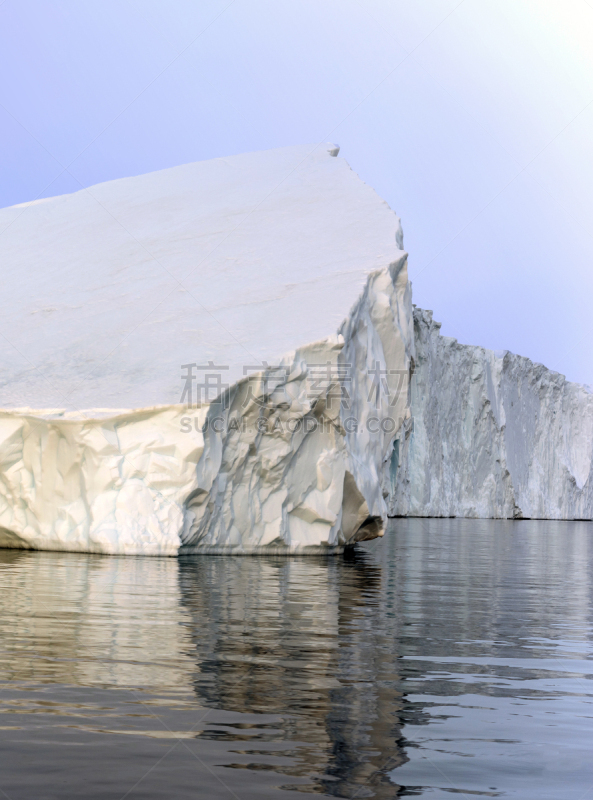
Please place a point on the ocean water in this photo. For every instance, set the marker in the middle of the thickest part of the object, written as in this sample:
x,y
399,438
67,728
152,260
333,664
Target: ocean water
x,y
452,658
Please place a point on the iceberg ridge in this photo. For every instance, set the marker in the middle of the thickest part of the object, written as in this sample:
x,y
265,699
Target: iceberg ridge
x,y
494,435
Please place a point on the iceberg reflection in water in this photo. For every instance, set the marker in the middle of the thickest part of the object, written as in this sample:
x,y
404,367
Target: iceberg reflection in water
x,y
452,656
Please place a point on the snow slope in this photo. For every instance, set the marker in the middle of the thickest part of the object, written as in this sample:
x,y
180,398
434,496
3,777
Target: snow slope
x,y
108,291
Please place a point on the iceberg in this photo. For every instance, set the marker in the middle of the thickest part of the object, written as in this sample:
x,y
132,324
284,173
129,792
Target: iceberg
x,y
223,357
210,358
493,435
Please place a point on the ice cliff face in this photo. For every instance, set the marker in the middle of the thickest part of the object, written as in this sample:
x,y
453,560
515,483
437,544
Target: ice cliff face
x,y
95,483
297,467
493,435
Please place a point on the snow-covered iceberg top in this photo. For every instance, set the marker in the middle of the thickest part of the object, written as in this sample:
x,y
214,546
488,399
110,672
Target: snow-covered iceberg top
x,y
251,315
235,261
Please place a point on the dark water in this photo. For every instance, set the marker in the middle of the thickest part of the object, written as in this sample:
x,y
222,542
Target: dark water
x,y
453,658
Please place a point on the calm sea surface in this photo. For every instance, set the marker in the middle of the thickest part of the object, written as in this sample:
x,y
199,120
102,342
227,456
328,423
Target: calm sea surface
x,y
452,658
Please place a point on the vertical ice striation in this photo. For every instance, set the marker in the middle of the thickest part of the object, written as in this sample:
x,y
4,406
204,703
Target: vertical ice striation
x,y
493,435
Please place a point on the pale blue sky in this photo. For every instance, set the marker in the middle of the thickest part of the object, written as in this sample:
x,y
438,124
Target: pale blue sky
x,y
473,119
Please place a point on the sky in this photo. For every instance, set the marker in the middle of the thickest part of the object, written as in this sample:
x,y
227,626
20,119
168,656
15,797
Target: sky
x,y
472,118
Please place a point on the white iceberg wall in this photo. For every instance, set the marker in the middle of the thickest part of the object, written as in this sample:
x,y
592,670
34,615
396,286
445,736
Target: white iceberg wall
x,y
95,484
493,435
270,467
